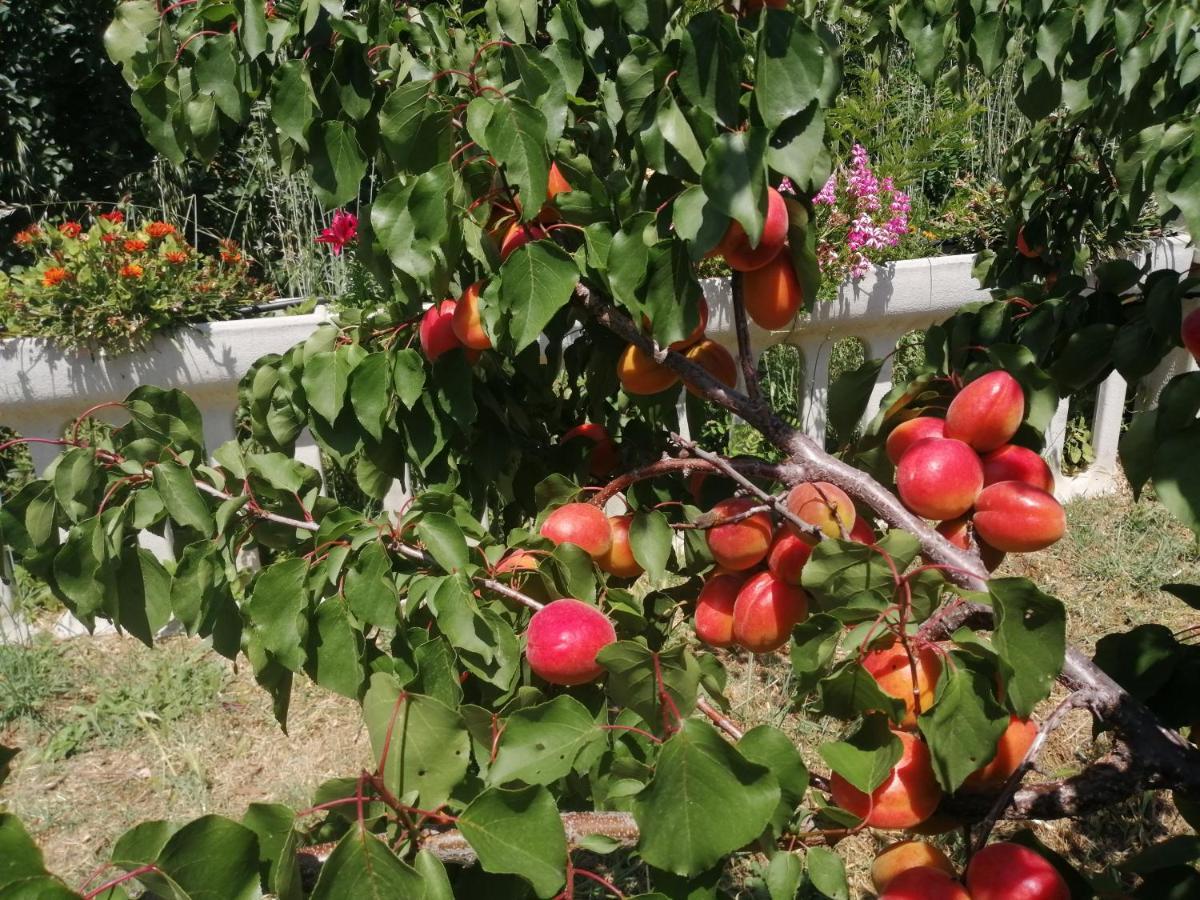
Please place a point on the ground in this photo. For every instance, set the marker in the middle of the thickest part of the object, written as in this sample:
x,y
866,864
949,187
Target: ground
x,y
114,733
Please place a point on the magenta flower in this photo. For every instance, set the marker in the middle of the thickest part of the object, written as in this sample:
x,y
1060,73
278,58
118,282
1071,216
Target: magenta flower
x,y
342,231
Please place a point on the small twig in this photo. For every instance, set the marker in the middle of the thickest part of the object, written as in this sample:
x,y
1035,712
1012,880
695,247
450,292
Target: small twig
x,y
685,465
719,719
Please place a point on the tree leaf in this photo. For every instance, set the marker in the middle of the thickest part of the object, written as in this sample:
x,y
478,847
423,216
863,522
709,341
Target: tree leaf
x,y
963,726
827,873
790,67
633,680
19,855
849,690
336,650
770,747
537,280
362,867
325,378
338,164
650,537
1030,637
408,374
278,610
518,832
210,858
539,744
370,392
444,540
516,135
866,757
177,487
709,62
735,178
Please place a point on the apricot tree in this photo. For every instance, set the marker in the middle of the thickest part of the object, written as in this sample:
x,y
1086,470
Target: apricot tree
x,y
520,635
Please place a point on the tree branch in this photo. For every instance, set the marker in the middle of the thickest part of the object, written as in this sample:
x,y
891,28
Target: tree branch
x,y
742,326
671,464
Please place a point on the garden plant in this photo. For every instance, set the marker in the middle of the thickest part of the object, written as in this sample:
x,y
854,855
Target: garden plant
x,y
540,639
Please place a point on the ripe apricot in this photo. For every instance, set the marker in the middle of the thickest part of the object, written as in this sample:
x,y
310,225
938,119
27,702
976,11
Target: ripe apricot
x,y
909,432
822,504
1013,463
517,561
773,294
862,532
1014,743
739,545
605,456
580,524
907,797
640,374
891,671
899,857
715,360
736,243
766,611
436,331
787,556
714,608
958,532
987,412
1189,333
619,559
1023,246
939,478
1018,518
517,235
925,883
1007,871
563,639
556,182
467,321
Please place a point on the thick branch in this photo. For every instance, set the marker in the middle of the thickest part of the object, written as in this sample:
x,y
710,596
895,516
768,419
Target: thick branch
x,y
742,326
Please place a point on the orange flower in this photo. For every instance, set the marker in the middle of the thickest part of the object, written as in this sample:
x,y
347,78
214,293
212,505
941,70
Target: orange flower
x,y
26,236
229,251
135,246
116,217
54,276
133,270
160,229
176,257
110,238
70,229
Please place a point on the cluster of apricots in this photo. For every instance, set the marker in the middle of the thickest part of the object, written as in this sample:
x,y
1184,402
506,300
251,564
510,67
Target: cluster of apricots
x,y
917,870
772,294
963,472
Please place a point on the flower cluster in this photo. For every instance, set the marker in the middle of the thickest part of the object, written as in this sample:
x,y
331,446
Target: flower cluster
x,y
859,216
114,283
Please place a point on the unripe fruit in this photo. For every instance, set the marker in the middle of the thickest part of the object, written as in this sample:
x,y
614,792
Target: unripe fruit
x,y
714,609
1013,463
908,433
1018,518
822,504
1008,871
580,524
925,883
1014,743
467,321
766,611
891,671
619,559
773,294
939,478
1190,333
957,532
736,244
987,412
436,331
641,375
787,556
518,235
907,797
605,456
900,857
715,360
563,639
739,545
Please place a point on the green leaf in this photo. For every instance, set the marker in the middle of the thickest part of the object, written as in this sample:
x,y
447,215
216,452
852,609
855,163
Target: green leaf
x,y
412,220
278,610
866,757
253,30
444,540
370,588
336,650
370,392
677,131
177,488
790,67
849,690
142,843
128,37
47,887
537,281
735,178
848,397
784,875
814,643
518,832
633,682
338,165
516,135
701,780
362,867
1137,446
1030,637
433,873
19,856
709,65
408,373
770,747
650,537
210,858
273,825
1176,477
325,378
428,749
1141,660
963,726
143,594
827,873
78,484
540,744
216,74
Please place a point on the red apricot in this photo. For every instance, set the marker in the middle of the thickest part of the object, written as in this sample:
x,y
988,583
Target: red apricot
x,y
556,182
909,432
1014,743
436,331
823,504
605,456
563,639
898,858
787,556
772,293
1013,463
715,360
1190,333
1023,246
736,243
714,609
739,545
619,559
862,532
580,524
925,883
766,611
467,321
517,561
518,235
907,797
1007,871
987,412
957,532
640,374
1018,518
939,478
891,671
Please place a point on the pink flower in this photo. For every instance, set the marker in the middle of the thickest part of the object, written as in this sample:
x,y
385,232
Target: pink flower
x,y
827,196
342,231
